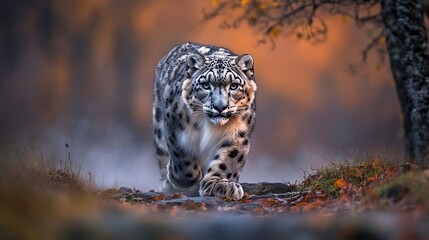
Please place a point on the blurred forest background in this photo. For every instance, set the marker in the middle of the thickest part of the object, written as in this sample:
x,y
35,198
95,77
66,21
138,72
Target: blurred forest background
x,y
80,72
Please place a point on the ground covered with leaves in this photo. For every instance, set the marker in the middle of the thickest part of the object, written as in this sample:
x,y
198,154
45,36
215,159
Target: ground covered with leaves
x,y
355,189
372,199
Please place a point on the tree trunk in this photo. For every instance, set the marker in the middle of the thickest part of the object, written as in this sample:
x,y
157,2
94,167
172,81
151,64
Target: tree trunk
x,y
406,39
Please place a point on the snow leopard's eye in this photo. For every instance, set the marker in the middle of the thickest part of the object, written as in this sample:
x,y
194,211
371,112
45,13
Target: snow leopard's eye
x,y
233,86
205,86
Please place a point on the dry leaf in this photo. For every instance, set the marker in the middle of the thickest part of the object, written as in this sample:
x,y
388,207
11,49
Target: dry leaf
x,y
373,178
270,202
158,197
275,32
340,183
191,205
262,6
215,3
376,163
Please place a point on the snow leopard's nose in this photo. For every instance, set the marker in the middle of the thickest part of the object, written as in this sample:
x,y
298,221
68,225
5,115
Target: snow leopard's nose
x,y
220,100
220,107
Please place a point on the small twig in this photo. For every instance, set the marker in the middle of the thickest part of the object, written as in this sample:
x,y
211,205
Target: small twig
x,y
278,195
374,43
42,156
215,12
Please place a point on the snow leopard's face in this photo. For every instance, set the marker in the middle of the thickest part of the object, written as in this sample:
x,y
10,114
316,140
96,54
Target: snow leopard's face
x,y
220,88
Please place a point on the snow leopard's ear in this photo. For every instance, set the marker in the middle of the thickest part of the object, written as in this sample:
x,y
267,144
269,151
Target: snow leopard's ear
x,y
245,63
195,60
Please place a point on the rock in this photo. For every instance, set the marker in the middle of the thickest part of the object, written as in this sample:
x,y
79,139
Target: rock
x,y
264,188
125,190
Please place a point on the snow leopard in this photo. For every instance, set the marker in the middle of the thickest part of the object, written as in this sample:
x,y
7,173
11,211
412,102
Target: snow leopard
x,y
203,117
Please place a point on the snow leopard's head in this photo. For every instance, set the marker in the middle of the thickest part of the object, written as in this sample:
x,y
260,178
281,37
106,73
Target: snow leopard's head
x,y
220,87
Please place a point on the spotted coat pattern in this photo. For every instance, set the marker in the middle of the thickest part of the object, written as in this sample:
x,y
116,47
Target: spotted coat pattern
x,y
203,116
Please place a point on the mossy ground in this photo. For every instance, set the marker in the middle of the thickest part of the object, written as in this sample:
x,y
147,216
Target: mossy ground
x,y
377,182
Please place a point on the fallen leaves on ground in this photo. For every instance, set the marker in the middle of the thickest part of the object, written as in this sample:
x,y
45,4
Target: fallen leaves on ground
x,y
353,188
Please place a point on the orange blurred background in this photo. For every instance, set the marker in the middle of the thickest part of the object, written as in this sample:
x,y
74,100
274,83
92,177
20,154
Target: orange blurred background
x,y
81,72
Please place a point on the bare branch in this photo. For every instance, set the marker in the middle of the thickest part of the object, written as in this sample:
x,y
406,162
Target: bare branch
x,y
215,12
373,44
304,18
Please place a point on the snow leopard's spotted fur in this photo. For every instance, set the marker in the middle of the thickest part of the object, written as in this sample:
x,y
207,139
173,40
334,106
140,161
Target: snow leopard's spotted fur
x,y
203,116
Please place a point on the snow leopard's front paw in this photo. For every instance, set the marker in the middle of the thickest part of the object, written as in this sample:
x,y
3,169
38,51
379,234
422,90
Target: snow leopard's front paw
x,y
165,186
215,186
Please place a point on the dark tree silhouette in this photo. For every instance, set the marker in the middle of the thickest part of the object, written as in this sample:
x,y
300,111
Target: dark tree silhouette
x,y
401,27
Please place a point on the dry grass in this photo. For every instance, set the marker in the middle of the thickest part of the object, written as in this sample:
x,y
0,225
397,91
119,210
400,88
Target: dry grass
x,y
36,197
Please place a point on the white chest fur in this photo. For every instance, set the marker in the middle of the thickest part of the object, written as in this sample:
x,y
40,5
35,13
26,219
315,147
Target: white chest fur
x,y
204,140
